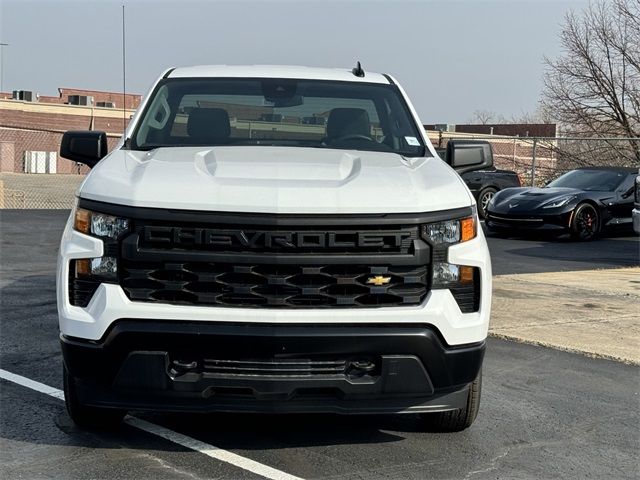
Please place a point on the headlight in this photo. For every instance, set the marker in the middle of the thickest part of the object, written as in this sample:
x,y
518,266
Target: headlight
x,y
86,274
559,202
450,231
99,224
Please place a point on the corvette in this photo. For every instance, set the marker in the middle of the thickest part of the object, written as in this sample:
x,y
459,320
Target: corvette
x,y
582,203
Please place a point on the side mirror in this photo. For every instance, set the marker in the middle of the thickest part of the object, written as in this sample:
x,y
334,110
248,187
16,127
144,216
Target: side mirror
x,y
628,193
88,147
468,155
442,153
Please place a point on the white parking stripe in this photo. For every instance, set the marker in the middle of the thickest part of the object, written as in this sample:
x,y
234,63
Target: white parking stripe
x,y
32,384
209,450
175,437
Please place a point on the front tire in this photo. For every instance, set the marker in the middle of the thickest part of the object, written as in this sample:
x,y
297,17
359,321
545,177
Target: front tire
x,y
85,416
456,420
585,223
483,200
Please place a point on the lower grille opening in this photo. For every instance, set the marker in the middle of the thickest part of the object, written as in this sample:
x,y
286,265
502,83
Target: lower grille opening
x,y
353,367
275,367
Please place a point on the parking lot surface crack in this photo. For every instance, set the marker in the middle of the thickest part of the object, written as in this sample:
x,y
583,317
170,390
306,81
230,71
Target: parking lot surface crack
x,y
175,472
493,464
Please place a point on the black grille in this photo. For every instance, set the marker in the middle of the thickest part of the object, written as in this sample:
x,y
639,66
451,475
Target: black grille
x,y
297,286
235,260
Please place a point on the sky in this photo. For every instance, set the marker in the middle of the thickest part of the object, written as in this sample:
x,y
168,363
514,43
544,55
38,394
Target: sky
x,y
452,57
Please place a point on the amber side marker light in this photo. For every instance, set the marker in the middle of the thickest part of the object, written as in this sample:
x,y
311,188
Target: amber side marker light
x,y
83,267
467,229
466,274
82,221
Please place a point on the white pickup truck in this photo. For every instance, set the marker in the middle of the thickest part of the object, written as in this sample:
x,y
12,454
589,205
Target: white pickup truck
x,y
273,239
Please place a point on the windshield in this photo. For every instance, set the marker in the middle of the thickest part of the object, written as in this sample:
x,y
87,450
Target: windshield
x,y
593,180
277,112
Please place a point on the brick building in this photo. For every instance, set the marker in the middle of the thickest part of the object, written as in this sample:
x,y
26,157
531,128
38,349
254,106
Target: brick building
x,y
36,127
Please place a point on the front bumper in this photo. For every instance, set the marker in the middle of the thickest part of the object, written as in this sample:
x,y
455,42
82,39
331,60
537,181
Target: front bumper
x,y
530,222
409,368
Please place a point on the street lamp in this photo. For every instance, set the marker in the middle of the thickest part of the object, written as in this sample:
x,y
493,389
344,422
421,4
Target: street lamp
x,y
2,45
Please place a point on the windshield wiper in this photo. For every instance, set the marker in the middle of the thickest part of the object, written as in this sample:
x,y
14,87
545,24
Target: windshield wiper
x,y
153,146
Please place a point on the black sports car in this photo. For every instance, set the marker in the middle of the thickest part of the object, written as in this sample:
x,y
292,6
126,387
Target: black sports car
x,y
581,202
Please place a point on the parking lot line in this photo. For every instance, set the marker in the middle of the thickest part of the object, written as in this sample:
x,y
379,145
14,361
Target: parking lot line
x,y
175,437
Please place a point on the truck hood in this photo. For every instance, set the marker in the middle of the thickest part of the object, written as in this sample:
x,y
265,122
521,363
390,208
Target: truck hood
x,y
275,180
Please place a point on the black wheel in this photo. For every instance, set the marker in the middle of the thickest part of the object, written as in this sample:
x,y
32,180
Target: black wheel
x,y
456,420
483,200
85,416
585,223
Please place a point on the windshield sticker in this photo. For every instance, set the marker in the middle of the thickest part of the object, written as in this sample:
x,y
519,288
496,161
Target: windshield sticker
x,y
412,141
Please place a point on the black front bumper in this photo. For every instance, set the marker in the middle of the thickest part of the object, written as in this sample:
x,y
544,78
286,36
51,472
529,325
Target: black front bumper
x,y
221,367
528,222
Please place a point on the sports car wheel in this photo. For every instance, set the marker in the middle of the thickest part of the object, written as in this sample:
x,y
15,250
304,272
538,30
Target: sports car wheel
x,y
585,223
483,200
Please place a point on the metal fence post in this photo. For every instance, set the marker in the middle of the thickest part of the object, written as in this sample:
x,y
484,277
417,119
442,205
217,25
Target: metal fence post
x,y
533,162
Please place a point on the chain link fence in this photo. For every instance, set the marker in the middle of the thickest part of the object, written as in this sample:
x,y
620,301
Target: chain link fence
x,y
537,160
33,175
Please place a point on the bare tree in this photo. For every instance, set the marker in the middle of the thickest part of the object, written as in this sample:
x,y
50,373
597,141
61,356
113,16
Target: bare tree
x,y
539,115
593,88
483,117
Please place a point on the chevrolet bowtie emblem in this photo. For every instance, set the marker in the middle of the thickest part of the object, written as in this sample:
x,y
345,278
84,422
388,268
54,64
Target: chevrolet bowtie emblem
x,y
378,280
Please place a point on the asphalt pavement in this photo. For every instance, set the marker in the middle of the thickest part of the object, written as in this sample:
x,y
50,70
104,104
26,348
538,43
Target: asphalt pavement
x,y
544,413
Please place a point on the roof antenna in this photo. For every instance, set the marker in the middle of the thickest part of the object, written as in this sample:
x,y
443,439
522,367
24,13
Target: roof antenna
x,y
124,80
358,71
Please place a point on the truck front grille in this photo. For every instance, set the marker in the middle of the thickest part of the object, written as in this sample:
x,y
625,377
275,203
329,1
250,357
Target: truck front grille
x,y
272,285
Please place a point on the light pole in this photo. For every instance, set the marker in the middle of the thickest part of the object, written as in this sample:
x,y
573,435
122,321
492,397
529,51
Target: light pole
x,y
2,45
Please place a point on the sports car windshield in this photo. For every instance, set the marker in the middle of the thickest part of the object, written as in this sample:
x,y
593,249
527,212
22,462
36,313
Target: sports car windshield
x,y
591,180
278,112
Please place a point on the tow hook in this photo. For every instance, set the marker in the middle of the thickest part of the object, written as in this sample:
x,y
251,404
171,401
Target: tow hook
x,y
180,367
360,367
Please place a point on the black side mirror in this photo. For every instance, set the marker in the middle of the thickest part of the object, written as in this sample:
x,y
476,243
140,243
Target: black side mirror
x,y
468,155
628,193
442,153
88,147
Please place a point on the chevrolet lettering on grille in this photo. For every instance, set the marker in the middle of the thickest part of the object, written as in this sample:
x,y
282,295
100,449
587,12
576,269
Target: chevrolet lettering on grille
x,y
168,237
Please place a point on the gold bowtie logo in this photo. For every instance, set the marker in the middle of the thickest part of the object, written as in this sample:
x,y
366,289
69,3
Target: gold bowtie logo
x,y
378,280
